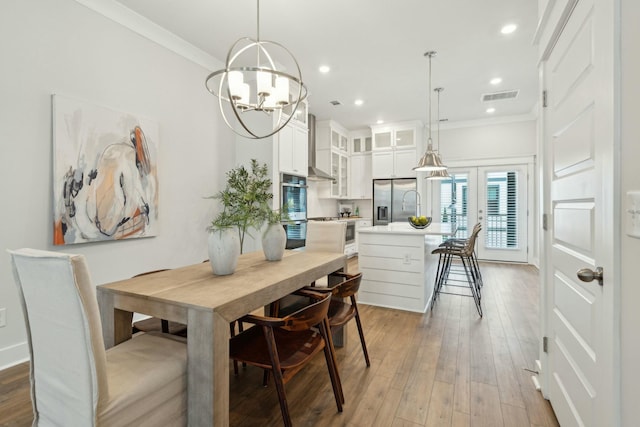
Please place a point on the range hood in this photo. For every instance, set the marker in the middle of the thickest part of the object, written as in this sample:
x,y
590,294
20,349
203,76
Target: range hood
x,y
314,174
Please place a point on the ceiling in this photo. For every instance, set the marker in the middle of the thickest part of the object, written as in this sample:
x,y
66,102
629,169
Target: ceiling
x,y
375,49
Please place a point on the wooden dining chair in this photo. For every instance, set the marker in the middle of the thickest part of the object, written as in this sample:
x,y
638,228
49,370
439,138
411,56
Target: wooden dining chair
x,y
285,345
322,236
74,381
340,311
154,324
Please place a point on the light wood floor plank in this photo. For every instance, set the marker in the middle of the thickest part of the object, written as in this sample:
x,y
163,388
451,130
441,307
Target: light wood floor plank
x,y
514,416
441,405
460,419
485,406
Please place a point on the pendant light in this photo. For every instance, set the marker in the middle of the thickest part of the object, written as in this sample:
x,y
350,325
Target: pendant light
x,y
430,161
250,84
439,174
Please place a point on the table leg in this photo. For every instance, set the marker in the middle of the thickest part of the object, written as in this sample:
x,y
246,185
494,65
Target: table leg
x,y
339,336
208,369
116,323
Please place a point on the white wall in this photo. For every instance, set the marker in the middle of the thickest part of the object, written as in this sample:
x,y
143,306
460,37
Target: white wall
x,y
488,140
630,181
60,46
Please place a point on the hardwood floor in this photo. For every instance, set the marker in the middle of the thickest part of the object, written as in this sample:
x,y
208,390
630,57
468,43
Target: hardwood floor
x,y
447,367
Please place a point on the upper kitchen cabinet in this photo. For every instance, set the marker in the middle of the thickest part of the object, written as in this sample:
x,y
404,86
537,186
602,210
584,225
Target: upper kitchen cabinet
x,y
394,149
300,116
360,178
331,135
361,142
293,150
332,155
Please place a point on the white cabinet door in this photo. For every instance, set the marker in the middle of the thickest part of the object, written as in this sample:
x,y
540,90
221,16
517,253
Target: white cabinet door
x,y
293,151
360,177
404,162
382,140
382,164
394,164
300,151
285,149
366,183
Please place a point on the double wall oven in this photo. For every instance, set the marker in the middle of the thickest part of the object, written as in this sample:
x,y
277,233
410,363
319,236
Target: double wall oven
x,y
293,200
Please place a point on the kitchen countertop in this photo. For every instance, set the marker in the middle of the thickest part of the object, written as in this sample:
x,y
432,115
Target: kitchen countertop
x,y
351,218
435,229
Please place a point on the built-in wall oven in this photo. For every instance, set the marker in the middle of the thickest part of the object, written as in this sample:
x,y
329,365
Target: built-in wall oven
x,y
293,201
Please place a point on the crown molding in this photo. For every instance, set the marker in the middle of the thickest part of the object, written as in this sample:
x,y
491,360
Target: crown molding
x,y
137,23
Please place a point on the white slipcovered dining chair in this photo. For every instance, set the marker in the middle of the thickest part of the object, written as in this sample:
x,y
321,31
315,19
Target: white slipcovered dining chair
x,y
326,236
74,381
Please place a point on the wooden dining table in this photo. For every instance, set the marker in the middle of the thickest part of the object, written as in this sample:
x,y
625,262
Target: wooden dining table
x,y
207,304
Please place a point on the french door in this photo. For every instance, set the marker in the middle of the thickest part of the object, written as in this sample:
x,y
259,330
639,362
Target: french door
x,y
495,196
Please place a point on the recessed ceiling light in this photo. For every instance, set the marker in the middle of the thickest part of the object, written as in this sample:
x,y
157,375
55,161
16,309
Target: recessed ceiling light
x,y
359,102
508,29
496,81
324,69
379,122
491,110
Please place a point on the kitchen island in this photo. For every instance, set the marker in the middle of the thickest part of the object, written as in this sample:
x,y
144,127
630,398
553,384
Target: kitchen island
x,y
398,269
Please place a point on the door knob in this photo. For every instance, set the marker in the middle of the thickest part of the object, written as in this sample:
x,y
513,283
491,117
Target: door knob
x,y
588,275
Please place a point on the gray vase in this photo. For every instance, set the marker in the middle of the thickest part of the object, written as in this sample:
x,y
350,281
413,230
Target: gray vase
x,y
274,240
224,250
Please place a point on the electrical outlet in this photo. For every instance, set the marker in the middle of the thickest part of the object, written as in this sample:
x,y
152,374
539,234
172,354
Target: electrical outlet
x,y
3,317
407,259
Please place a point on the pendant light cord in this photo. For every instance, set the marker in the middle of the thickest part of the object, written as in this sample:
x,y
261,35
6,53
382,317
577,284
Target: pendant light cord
x,y
430,142
438,89
258,20
430,54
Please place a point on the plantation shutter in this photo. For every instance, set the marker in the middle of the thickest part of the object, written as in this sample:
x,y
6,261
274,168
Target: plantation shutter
x,y
502,210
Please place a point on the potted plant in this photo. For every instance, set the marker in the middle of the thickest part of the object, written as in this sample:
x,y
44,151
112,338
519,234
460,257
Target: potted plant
x,y
224,244
274,238
245,200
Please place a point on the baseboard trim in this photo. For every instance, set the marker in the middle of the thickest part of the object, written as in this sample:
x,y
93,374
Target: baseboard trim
x,y
14,355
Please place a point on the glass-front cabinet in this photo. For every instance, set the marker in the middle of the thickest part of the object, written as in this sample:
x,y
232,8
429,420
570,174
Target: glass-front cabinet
x,y
300,115
340,174
332,155
361,144
390,137
394,151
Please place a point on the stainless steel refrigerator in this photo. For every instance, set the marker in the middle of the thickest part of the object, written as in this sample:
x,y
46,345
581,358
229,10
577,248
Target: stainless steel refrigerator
x,y
391,202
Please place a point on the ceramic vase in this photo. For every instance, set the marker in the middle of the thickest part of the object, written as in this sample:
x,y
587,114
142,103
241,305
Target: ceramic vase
x,y
224,250
274,240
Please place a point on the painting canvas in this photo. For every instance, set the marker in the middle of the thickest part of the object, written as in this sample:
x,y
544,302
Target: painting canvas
x,y
105,182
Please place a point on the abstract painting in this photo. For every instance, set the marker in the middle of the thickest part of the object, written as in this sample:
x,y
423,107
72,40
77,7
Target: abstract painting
x,y
105,182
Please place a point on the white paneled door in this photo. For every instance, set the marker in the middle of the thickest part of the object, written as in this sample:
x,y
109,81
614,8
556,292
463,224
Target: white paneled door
x,y
578,175
495,196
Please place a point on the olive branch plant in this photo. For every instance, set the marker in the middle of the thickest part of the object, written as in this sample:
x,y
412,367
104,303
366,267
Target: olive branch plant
x,y
246,200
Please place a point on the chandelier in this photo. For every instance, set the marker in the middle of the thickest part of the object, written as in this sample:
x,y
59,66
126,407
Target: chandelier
x,y
250,84
439,174
430,161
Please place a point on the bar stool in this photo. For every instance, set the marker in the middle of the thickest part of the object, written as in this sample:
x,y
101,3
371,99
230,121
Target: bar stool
x,y
464,250
461,242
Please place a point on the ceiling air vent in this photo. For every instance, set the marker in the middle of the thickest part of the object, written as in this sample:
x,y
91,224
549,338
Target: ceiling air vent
x,y
499,96
335,103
